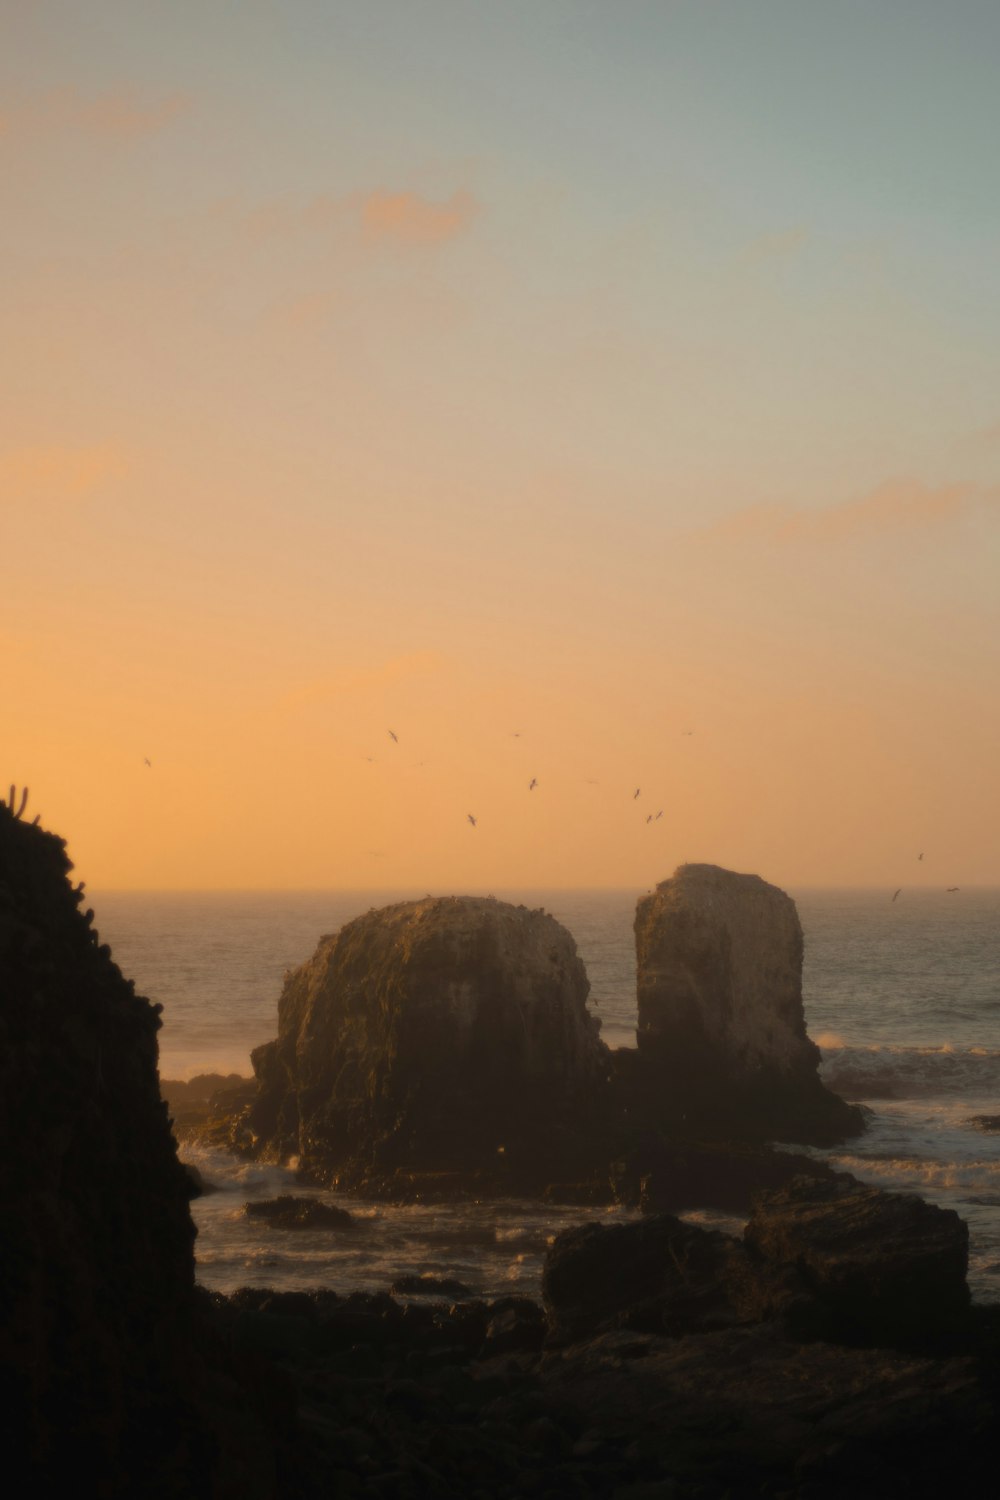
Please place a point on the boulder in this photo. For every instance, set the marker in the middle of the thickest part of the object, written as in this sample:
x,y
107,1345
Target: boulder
x,y
288,1212
883,1265
657,1275
721,1027
442,1036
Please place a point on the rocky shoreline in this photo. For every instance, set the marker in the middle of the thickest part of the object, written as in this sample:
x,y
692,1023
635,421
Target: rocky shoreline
x,y
830,1349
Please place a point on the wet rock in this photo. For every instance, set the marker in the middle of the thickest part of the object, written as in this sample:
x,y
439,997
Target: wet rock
x,y
884,1265
721,1028
288,1212
659,1275
430,1286
198,1185
448,1035
514,1325
688,1174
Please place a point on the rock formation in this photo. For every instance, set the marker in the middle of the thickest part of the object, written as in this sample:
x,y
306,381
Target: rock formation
x,y
721,1027
104,1372
442,1036
830,1258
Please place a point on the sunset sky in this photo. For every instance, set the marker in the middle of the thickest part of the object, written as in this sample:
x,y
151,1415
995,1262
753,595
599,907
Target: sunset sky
x,y
606,394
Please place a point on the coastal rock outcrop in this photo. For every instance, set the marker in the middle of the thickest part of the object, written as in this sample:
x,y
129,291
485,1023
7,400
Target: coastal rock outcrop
x,y
104,1369
440,1037
721,1027
882,1264
830,1258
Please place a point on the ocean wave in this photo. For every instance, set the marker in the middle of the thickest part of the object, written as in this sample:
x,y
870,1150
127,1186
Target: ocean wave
x,y
912,1173
887,1072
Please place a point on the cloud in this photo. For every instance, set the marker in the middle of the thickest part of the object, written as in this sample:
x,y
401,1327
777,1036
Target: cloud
x,y
409,219
120,114
58,472
382,217
898,505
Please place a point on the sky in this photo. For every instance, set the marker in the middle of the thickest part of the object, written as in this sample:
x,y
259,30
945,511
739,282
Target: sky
x,y
606,396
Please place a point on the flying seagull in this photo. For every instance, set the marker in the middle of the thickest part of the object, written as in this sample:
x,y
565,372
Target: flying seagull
x,y
920,856
532,784
394,737
147,762
951,888
636,792
649,817
660,813
471,819
896,893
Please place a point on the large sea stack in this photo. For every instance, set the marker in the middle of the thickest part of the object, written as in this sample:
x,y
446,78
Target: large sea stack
x,y
721,1027
440,1038
107,1374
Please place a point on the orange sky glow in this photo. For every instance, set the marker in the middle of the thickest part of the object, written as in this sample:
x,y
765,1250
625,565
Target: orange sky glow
x,y
458,386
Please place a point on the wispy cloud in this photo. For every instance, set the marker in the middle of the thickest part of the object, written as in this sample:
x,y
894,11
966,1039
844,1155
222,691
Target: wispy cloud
x,y
57,472
382,217
897,505
120,114
409,219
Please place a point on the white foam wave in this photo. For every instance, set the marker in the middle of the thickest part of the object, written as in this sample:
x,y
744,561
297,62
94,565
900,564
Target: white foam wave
x,y
889,1072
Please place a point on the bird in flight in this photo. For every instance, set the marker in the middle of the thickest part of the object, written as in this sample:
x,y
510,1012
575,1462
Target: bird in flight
x,y
636,792
896,893
951,888
394,737
660,813
532,784
649,817
920,856
471,819
686,731
147,762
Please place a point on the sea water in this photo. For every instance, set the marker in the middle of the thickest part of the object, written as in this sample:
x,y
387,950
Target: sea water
x,y
903,998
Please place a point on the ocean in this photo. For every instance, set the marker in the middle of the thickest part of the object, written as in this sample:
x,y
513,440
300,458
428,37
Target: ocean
x,y
903,998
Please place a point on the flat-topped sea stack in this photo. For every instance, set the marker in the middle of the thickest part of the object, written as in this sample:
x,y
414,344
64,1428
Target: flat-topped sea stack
x,y
446,1039
721,1027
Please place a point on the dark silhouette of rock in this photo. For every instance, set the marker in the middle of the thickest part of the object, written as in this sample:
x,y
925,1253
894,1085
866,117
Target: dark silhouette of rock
x,y
107,1371
658,1275
448,1035
721,1029
830,1258
430,1286
694,1174
883,1264
288,1212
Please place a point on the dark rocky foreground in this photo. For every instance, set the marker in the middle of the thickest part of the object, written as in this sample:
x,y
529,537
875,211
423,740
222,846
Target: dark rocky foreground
x,y
832,1350
112,1376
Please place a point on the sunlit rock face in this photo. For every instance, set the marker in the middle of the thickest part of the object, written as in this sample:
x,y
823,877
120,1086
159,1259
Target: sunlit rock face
x,y
442,1035
97,1237
721,1024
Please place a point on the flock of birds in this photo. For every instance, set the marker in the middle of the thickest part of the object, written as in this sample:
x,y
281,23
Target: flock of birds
x,y
516,734
650,817
949,889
